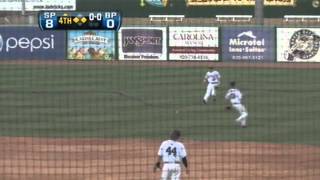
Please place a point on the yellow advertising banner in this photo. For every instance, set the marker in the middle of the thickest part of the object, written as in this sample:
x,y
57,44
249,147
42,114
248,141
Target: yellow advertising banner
x,y
239,2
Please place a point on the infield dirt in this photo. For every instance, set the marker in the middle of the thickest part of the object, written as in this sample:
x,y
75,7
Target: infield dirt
x,y
132,159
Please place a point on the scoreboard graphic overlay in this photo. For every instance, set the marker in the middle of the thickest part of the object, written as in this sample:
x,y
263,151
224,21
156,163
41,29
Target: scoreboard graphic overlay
x,y
53,20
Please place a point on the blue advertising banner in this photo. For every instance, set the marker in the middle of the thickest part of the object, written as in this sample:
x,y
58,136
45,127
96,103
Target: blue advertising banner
x,y
248,44
91,45
30,43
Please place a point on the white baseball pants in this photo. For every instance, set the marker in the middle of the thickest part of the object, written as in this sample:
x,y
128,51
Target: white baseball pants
x,y
243,114
171,171
210,91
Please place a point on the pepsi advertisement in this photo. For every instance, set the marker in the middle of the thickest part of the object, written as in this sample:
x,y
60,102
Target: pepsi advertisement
x,y
248,44
30,43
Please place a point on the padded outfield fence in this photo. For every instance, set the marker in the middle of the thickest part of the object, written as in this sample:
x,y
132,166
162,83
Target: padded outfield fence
x,y
105,120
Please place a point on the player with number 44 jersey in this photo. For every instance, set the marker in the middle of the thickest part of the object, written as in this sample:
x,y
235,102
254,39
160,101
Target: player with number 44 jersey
x,y
172,153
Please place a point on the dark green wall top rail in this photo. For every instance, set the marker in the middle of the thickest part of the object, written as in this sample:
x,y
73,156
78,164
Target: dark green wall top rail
x,y
132,8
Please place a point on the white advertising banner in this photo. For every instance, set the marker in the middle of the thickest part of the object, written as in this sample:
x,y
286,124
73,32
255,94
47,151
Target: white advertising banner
x,y
298,44
194,43
142,43
239,2
38,5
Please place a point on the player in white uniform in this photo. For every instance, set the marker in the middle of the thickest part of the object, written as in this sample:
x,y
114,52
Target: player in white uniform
x,y
212,77
172,153
234,96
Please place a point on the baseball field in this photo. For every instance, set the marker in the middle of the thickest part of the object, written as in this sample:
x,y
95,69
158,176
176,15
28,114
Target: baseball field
x,y
105,121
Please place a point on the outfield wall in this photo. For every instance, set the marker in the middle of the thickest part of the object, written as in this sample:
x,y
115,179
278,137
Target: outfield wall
x,y
173,43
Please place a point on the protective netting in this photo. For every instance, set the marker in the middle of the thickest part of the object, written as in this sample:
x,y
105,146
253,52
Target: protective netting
x,y
105,119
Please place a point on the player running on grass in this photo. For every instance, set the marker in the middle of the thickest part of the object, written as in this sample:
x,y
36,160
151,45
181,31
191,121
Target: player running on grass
x,y
172,153
234,96
212,77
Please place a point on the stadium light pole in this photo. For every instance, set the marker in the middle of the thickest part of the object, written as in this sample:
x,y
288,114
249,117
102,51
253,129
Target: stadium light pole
x,y
258,12
23,9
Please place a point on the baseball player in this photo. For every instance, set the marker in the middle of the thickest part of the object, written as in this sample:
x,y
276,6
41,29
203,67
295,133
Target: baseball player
x,y
212,77
172,153
234,96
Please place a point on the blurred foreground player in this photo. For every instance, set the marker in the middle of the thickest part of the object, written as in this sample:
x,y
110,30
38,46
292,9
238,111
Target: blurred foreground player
x,y
172,153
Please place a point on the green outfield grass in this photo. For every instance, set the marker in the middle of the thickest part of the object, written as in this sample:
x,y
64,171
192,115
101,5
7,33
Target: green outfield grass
x,y
130,101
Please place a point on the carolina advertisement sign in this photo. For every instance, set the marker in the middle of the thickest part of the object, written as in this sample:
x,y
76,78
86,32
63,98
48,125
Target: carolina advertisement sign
x,y
239,2
194,43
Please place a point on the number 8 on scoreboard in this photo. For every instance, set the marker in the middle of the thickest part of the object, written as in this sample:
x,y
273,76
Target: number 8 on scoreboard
x,y
50,20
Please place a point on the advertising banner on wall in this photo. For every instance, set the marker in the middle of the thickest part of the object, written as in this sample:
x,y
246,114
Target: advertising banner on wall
x,y
298,44
142,43
38,5
30,43
194,43
239,2
156,3
91,45
248,44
